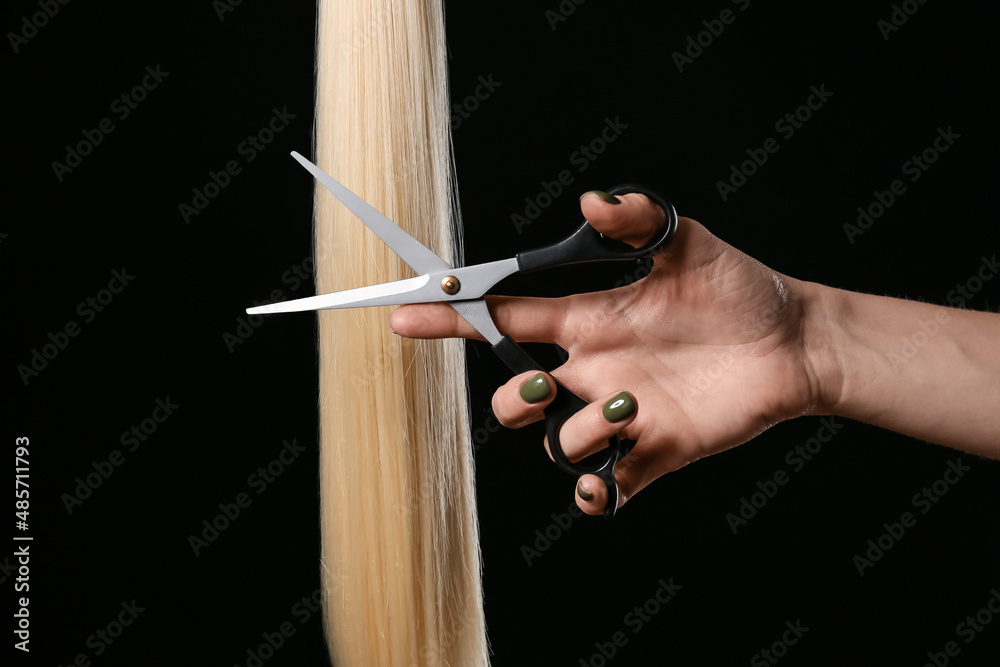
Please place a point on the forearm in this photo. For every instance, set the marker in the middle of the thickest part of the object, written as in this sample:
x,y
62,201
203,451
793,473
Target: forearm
x,y
920,369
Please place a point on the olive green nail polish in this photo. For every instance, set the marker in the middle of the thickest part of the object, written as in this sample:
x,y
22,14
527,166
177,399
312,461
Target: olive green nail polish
x,y
582,492
619,407
603,196
535,389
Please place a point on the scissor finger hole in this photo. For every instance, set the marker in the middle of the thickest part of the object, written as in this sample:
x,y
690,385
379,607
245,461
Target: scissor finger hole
x,y
601,455
592,429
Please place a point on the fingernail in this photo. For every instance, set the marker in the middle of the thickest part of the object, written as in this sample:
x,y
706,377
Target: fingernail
x,y
582,492
535,389
619,407
603,196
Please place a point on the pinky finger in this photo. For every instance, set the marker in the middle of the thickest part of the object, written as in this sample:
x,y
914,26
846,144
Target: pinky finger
x,y
591,494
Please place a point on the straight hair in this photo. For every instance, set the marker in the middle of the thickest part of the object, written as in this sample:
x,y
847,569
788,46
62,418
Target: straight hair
x,y
400,539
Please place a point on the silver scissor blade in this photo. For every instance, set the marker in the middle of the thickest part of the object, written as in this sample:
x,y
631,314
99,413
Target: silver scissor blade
x,y
476,313
412,251
474,282
386,294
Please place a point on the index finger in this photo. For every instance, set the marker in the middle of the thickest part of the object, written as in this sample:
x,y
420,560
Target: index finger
x,y
525,319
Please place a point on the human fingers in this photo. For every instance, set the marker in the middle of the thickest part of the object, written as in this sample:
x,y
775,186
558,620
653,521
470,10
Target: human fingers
x,y
525,319
632,218
632,474
591,494
640,468
523,399
588,431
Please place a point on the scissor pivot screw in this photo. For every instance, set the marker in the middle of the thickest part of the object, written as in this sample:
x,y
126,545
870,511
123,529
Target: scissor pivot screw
x,y
450,285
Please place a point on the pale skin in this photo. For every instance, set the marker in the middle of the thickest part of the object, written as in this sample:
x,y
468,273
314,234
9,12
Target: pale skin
x,y
715,348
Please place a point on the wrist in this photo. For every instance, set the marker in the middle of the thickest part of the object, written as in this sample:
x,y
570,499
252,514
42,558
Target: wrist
x,y
824,314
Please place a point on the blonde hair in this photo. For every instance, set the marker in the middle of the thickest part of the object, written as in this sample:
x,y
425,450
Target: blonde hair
x,y
400,539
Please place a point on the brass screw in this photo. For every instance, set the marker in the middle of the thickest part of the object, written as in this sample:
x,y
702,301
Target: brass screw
x,y
450,285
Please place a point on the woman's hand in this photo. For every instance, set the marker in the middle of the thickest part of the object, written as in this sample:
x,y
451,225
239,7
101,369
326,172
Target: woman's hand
x,y
711,346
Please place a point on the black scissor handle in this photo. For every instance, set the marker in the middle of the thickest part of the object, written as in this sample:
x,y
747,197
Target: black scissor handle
x,y
587,245
563,406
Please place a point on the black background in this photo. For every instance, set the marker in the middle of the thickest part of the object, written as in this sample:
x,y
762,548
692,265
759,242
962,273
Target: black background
x,y
163,335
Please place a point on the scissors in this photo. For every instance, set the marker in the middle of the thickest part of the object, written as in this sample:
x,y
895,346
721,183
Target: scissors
x,y
463,289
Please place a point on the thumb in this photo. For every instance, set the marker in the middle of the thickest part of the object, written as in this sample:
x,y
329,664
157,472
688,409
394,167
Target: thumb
x,y
632,218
